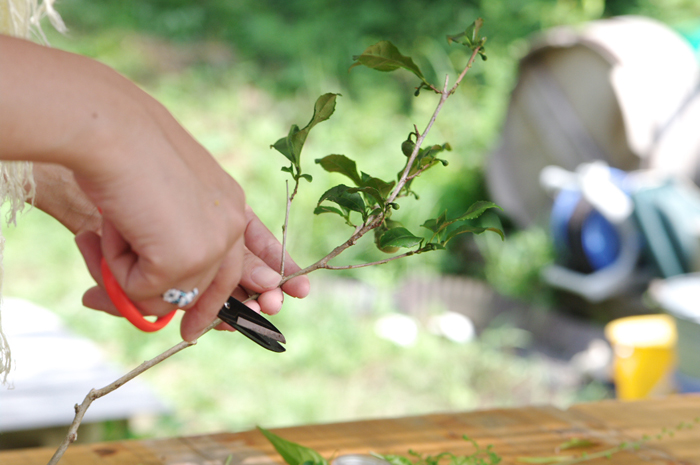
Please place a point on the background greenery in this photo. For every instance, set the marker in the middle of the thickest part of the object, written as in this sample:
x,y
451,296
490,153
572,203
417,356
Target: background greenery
x,y
237,74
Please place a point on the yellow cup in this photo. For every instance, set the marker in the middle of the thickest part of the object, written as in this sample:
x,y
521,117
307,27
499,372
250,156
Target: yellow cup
x,y
645,355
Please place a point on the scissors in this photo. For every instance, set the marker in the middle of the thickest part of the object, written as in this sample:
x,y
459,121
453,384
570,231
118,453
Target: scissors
x,y
246,321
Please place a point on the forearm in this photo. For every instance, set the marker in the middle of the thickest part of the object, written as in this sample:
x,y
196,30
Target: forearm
x,y
60,107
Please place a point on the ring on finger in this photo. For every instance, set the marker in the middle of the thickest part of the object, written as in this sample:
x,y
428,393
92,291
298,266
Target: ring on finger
x,y
179,297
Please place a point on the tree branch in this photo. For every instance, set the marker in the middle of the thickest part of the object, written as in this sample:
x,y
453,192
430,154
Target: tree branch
x,y
369,224
94,394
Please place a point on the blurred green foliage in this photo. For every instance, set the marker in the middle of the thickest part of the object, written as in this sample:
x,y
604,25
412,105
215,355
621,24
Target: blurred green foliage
x,y
237,74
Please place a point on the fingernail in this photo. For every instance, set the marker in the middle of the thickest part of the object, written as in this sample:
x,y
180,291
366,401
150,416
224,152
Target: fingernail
x,y
266,278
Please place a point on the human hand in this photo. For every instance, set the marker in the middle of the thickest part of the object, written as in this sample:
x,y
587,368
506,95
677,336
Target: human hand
x,y
262,256
171,216
58,195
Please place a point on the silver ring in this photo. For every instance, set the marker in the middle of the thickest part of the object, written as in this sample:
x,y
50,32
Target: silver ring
x,y
180,298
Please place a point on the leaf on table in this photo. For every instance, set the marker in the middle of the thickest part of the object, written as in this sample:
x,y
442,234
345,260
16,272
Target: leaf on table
x,y
293,453
575,443
545,460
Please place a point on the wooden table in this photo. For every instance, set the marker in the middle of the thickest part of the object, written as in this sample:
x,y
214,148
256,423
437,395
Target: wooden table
x,y
529,431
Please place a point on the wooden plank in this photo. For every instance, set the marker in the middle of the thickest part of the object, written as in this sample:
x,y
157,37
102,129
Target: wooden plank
x,y
529,431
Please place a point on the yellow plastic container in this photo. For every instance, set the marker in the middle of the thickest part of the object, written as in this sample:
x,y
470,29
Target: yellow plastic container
x,y
645,355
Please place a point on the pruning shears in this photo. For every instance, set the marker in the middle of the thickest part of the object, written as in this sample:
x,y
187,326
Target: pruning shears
x,y
246,321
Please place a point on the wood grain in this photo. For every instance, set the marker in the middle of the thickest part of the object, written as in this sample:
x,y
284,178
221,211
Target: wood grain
x,y
528,431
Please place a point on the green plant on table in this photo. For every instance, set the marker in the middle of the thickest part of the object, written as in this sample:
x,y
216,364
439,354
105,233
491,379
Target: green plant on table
x,y
373,199
582,445
296,454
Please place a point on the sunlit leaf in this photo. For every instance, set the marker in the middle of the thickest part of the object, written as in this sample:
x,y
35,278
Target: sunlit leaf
x,y
292,145
476,209
398,237
470,229
384,56
323,109
340,164
293,453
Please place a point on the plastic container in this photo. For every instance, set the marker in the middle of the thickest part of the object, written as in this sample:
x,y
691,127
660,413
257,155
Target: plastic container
x,y
644,350
679,297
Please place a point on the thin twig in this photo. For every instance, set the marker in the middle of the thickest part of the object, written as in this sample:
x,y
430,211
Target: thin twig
x,y
95,394
465,70
363,265
419,141
284,228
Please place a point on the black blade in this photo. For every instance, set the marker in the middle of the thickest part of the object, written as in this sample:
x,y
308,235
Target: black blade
x,y
252,325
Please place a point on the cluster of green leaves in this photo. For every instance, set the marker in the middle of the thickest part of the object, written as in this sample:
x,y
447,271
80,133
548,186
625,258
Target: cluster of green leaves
x,y
583,443
478,457
373,198
291,145
296,454
471,38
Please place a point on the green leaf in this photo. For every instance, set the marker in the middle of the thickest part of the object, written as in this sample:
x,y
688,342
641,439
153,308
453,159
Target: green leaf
x,y
326,209
340,195
476,209
544,460
371,192
382,186
340,164
308,177
576,443
293,453
398,237
288,169
323,109
384,56
470,37
470,229
396,459
292,145
436,224
285,145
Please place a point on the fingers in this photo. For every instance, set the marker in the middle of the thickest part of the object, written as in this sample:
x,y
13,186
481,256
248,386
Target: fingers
x,y
206,308
263,244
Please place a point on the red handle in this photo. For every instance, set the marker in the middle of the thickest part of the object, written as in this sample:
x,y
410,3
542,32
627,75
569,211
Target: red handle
x,y
126,307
